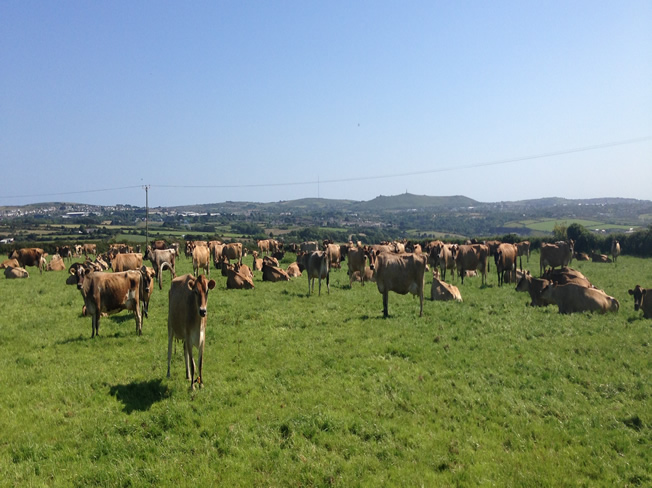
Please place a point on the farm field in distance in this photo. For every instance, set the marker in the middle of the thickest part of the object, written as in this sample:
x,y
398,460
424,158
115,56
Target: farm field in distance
x,y
547,225
322,391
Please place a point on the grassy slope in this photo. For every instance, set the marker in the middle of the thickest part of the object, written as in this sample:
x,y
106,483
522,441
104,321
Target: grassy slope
x,y
321,390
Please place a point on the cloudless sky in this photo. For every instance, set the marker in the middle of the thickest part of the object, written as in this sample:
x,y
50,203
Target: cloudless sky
x,y
208,101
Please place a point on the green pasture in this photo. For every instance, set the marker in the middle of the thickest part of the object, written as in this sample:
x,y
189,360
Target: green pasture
x,y
547,225
322,391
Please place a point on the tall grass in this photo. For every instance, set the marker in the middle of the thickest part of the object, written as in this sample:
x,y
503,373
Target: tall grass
x,y
321,390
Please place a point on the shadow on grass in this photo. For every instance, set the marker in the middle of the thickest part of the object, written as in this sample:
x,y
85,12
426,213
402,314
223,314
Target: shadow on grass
x,y
140,395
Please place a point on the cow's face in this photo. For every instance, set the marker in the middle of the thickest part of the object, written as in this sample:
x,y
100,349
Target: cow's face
x,y
81,273
638,293
200,288
372,255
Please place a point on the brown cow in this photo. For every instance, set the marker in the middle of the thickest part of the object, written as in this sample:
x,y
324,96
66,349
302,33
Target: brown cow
x,y
534,286
505,259
201,258
64,252
9,263
334,256
56,264
126,262
187,313
582,256
89,249
273,274
160,244
233,252
161,260
238,279
29,256
557,254
402,274
566,275
615,250
524,249
599,258
317,265
357,259
573,298
263,245
368,275
642,300
149,276
107,293
443,291
309,246
293,270
447,261
257,264
12,273
472,257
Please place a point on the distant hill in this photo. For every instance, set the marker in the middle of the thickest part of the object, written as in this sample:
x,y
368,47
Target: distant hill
x,y
409,201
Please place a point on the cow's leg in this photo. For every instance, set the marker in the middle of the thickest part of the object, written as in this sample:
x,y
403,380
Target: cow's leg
x,y
319,285
187,357
328,286
385,297
94,319
200,379
421,300
169,348
139,320
191,364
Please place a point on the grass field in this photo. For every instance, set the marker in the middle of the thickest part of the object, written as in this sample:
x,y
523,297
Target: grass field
x,y
547,225
321,391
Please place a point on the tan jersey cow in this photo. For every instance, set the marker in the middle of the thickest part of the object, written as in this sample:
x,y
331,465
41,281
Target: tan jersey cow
x,y
187,313
443,291
162,259
642,300
534,286
472,257
505,259
573,298
107,293
554,255
29,256
402,274
615,250
13,273
274,273
127,262
201,258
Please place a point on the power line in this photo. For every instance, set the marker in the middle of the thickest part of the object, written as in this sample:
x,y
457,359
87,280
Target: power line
x,y
70,192
362,178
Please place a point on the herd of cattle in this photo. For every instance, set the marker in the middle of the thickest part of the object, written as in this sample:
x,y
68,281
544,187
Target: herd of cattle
x,y
397,267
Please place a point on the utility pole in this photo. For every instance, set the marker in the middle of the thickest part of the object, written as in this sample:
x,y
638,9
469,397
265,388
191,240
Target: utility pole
x,y
146,187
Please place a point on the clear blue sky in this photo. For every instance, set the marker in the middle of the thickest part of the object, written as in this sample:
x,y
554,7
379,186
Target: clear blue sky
x,y
105,95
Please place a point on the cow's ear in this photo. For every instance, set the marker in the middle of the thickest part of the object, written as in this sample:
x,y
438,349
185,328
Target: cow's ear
x,y
211,284
631,292
643,291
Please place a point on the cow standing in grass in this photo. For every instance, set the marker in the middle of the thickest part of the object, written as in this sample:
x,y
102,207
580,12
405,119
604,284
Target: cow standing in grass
x,y
187,312
402,274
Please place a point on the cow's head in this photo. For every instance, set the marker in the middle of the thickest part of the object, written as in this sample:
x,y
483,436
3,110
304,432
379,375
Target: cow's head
x,y
200,286
371,256
80,273
638,293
